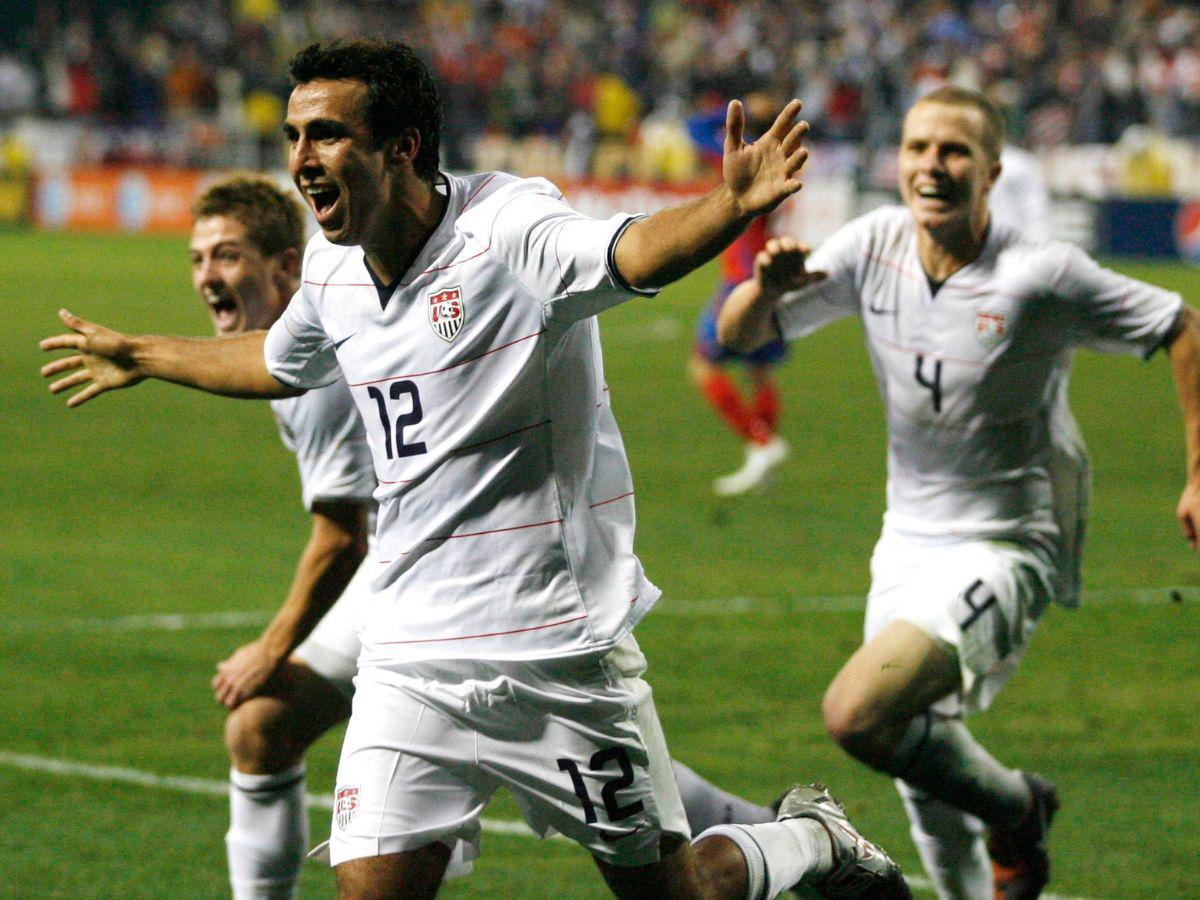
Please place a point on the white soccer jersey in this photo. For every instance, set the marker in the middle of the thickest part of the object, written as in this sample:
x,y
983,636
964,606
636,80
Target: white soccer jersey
x,y
323,428
506,516
1019,198
981,443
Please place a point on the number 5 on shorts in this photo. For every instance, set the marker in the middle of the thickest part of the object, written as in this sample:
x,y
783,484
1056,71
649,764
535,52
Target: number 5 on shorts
x,y
616,812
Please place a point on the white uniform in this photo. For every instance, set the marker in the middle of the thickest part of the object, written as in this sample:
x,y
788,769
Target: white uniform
x,y
1019,198
987,473
322,427
505,531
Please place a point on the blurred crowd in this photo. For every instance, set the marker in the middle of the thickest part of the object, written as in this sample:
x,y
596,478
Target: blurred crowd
x,y
570,87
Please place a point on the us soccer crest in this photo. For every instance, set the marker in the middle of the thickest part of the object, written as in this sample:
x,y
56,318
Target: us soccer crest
x,y
990,328
447,313
345,805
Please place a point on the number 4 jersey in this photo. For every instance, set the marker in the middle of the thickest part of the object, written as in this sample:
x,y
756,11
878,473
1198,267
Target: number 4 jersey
x,y
973,376
506,517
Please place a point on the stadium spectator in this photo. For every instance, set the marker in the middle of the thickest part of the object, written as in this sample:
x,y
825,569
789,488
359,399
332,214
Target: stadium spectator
x,y
495,638
971,330
1071,71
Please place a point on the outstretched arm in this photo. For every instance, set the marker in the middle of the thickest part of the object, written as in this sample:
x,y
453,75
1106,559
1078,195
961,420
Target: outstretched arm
x,y
757,177
105,360
335,549
1185,366
746,321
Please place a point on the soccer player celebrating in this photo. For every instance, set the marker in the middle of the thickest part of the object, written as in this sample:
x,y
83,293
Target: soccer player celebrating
x,y
971,328
294,682
497,644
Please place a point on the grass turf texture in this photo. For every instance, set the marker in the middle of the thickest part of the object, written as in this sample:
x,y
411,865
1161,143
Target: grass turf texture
x,y
161,500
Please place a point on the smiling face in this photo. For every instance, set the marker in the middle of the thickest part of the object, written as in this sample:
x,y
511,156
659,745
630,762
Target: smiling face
x,y
946,169
242,289
333,161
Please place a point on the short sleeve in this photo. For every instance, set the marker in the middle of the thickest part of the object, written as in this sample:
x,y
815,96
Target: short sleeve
x,y
562,258
802,312
1111,312
297,350
324,430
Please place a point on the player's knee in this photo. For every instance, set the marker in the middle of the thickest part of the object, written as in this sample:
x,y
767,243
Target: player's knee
x,y
254,741
854,724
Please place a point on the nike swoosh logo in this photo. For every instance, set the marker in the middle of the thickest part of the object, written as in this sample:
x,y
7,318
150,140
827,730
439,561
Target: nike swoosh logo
x,y
881,312
337,344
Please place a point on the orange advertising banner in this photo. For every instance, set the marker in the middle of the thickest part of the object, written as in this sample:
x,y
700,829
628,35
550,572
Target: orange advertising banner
x,y
131,200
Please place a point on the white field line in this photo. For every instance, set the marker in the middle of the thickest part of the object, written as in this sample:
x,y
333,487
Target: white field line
x,y
210,787
184,784
1143,596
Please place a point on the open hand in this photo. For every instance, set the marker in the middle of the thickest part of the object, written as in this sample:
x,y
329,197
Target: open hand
x,y
103,361
781,267
763,174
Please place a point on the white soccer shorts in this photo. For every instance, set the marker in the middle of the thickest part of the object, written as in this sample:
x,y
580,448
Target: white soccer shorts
x,y
331,649
980,600
577,742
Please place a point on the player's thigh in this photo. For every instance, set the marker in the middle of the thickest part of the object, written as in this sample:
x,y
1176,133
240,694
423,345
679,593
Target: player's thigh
x,y
594,764
898,673
272,730
408,775
414,874
978,602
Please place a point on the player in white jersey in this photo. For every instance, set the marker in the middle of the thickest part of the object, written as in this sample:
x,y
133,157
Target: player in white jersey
x,y
1019,198
971,329
497,647
284,689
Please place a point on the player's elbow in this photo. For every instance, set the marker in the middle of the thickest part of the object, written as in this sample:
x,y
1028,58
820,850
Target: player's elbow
x,y
733,334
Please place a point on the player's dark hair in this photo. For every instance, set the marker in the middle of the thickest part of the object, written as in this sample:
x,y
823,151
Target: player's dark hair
x,y
401,91
993,119
273,218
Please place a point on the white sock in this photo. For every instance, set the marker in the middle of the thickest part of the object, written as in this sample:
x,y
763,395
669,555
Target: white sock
x,y
779,854
939,756
707,805
268,833
951,845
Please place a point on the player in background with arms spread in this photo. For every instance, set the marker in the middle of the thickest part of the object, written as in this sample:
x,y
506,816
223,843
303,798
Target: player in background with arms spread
x,y
497,643
295,681
971,329
754,419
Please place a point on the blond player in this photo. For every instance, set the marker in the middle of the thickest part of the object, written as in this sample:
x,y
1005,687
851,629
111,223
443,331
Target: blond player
x,y
971,328
294,682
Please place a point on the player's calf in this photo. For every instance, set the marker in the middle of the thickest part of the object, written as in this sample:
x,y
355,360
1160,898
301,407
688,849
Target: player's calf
x,y
1020,861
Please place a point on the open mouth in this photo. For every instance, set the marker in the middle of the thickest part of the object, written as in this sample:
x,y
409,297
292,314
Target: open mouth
x,y
934,192
324,198
224,313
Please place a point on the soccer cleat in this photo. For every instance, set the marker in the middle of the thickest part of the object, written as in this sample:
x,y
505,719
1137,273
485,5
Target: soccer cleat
x,y
860,869
1020,863
761,459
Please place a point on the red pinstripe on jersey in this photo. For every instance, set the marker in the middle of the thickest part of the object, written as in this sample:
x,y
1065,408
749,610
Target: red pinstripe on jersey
x,y
454,366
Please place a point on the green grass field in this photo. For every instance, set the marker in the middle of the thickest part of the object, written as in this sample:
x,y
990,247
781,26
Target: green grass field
x,y
161,501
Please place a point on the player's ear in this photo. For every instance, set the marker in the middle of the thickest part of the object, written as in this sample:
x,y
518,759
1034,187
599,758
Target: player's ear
x,y
287,273
405,146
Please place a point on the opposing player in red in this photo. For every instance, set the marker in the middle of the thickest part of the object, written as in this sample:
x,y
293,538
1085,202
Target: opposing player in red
x,y
971,327
754,418
497,646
